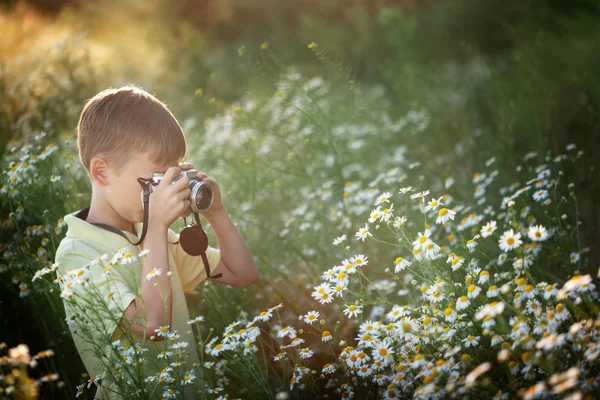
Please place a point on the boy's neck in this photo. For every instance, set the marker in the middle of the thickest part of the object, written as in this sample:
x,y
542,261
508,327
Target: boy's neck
x,y
102,212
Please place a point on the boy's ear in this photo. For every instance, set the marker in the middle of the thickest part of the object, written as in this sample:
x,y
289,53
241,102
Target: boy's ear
x,y
99,171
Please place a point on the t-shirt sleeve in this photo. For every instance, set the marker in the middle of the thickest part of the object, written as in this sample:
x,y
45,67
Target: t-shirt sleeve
x,y
97,294
191,268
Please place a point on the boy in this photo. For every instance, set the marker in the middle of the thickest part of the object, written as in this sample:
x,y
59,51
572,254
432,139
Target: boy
x,y
124,302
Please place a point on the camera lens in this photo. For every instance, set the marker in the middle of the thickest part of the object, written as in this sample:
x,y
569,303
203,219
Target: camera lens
x,y
201,197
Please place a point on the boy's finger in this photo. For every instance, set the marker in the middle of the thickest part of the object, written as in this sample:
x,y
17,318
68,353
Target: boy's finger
x,y
186,165
169,175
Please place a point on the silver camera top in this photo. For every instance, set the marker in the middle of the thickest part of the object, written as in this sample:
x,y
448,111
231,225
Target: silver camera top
x,y
191,174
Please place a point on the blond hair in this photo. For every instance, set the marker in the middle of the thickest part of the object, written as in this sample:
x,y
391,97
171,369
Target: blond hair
x,y
120,123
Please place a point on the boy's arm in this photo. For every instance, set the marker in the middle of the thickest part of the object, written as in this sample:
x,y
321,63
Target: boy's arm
x,y
153,305
236,264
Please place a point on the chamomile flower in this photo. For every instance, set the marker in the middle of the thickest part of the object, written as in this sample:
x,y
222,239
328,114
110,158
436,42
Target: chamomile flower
x,y
444,215
154,272
399,221
305,353
162,330
462,303
189,378
434,204
401,264
326,336
422,239
383,350
420,195
385,197
488,229
510,240
375,215
128,258
574,257
352,310
311,317
287,331
405,190
471,341
537,233
339,240
471,244
540,195
387,213
363,233
473,291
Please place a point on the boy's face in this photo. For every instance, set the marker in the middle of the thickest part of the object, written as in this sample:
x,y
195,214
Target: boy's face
x,y
124,191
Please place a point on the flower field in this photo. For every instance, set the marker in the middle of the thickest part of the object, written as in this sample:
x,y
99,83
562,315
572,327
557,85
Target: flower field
x,y
407,247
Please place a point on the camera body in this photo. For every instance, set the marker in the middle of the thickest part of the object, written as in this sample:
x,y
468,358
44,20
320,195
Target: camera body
x,y
201,197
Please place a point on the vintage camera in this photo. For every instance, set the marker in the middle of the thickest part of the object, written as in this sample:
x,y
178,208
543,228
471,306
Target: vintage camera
x,y
202,193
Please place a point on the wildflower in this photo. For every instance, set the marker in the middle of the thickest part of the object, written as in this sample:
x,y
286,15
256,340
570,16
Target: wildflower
x,y
363,233
143,253
352,310
311,317
215,351
492,291
375,215
537,233
400,264
287,331
473,291
326,336
360,260
339,240
509,240
328,369
170,394
422,238
387,213
385,197
399,221
264,315
406,189
444,215
162,331
383,350
154,272
456,262
128,258
296,342
188,378
573,284
434,204
279,356
306,353
574,257
488,229
471,244
199,318
540,195
420,195
471,341
484,277
462,303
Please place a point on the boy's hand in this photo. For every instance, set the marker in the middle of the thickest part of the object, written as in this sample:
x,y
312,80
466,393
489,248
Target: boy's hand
x,y
216,206
168,201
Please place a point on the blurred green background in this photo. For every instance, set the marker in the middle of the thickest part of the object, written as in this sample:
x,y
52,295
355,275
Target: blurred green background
x,y
496,79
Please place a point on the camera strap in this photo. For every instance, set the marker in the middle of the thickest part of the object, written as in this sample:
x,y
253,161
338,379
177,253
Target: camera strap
x,y
192,238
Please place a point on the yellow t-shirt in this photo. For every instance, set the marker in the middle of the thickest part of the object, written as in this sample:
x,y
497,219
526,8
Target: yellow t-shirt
x,y
101,296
